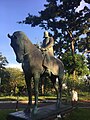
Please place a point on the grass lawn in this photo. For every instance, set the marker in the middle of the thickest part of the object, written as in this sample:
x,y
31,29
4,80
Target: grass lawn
x,y
78,114
4,113
24,98
82,96
12,98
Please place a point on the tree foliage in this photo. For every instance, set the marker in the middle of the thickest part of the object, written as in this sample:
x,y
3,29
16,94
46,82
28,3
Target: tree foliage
x,y
13,80
63,20
69,28
3,63
80,64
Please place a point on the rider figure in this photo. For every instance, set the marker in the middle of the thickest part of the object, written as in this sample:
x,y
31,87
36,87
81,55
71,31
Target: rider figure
x,y
47,44
47,48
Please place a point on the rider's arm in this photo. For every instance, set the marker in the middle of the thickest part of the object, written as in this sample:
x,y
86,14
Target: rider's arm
x,y
50,44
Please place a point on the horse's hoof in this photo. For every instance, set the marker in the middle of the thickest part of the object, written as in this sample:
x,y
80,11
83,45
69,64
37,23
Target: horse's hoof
x,y
34,111
27,111
58,104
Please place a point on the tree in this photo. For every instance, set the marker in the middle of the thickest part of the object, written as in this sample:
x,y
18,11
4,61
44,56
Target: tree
x,y
88,1
80,64
13,82
3,63
88,59
67,26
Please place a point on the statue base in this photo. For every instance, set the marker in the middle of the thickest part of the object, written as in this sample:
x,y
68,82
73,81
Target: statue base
x,y
44,113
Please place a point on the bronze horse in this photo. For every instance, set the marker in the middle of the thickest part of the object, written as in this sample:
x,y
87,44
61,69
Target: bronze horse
x,y
32,63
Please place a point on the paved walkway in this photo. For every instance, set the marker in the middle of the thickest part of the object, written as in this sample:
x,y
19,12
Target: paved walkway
x,y
23,104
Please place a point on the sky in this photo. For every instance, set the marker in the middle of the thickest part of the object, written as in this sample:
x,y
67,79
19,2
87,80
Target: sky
x,y
12,11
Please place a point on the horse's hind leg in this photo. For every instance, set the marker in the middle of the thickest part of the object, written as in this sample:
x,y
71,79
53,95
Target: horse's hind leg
x,y
59,91
57,83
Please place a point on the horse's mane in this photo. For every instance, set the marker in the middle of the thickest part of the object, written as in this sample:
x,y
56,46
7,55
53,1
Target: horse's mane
x,y
22,36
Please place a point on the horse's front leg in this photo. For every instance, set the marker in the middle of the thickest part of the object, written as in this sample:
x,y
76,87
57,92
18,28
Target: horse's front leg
x,y
29,90
36,83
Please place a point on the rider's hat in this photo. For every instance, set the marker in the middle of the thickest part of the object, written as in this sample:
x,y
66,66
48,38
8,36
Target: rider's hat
x,y
46,34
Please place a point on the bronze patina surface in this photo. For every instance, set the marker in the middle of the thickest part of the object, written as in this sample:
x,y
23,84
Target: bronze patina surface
x,y
34,64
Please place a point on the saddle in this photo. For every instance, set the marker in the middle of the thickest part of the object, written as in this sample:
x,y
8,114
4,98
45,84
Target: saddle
x,y
52,64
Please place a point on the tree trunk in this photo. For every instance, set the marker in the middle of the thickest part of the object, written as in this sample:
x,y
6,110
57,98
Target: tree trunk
x,y
73,53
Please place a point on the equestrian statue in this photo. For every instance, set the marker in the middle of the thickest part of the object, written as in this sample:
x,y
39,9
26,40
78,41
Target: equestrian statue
x,y
35,62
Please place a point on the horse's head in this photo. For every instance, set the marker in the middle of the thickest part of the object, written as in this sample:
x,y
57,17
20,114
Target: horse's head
x,y
17,43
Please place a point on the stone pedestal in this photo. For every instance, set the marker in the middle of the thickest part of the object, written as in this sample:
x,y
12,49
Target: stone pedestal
x,y
44,113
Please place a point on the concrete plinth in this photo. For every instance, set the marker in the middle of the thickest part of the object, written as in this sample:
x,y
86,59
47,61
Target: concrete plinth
x,y
44,113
